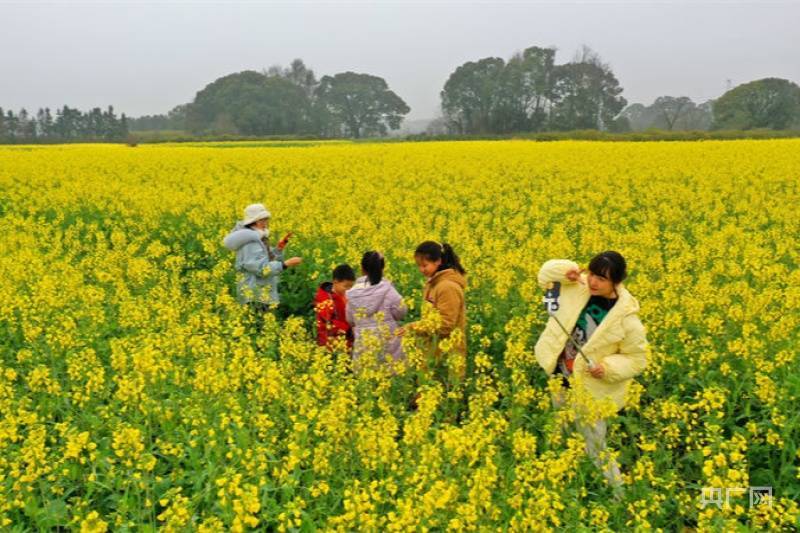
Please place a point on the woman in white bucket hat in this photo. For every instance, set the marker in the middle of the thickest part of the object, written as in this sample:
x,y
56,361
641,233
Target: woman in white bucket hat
x,y
259,263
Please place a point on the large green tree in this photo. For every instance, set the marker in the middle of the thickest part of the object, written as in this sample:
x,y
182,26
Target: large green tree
x,y
669,113
471,95
525,91
320,120
250,103
587,96
767,103
361,103
531,93
672,109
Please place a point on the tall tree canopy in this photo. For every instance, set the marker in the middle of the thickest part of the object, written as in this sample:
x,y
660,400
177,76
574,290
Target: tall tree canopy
x,y
471,94
669,113
531,93
250,103
768,103
290,100
362,103
528,89
587,95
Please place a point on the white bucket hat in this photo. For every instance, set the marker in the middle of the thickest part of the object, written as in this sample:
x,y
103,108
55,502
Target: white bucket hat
x,y
254,213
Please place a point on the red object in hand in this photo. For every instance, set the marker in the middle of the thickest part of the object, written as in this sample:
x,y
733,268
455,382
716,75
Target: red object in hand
x,y
283,242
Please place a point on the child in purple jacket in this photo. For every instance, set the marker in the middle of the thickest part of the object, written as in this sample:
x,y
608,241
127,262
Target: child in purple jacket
x,y
374,308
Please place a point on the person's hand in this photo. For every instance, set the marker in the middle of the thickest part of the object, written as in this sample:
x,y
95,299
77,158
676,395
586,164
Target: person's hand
x,y
283,242
292,262
574,274
597,371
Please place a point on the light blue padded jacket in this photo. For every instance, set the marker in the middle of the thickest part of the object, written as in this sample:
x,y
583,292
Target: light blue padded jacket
x,y
259,266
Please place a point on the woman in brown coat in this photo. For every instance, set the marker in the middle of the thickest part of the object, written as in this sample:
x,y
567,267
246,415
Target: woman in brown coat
x,y
444,290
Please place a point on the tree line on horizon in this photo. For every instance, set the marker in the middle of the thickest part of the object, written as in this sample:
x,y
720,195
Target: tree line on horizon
x,y
292,101
529,92
65,125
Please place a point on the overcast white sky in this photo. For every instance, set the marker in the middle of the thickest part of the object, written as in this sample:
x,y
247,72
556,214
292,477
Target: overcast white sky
x,y
147,57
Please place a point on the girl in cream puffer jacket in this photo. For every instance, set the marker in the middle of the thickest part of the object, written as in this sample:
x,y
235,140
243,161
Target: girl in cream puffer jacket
x,y
602,317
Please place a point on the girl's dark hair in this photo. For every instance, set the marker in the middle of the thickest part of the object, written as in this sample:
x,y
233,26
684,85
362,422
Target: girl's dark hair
x,y
372,264
611,265
344,273
433,251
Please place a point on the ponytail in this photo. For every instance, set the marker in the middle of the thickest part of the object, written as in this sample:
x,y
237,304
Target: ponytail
x,y
450,259
372,264
433,251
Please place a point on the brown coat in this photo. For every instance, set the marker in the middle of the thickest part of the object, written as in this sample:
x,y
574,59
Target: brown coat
x,y
445,290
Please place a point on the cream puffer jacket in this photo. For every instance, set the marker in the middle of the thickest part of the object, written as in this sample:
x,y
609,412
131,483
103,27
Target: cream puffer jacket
x,y
619,342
